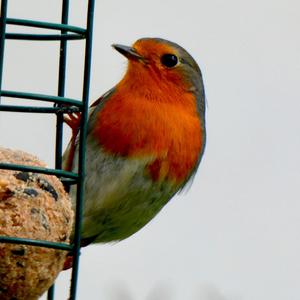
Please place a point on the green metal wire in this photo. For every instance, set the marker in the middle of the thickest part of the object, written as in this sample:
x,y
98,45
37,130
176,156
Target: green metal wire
x,y
77,33
46,244
33,169
82,144
61,106
64,26
42,97
61,86
34,109
2,37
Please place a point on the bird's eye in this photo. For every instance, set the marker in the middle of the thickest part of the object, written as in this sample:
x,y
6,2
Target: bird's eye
x,y
169,60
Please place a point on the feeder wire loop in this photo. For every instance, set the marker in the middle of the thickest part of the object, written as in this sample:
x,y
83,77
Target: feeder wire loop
x,y
63,32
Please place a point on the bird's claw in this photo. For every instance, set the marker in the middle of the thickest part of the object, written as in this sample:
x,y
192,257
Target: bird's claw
x,y
73,121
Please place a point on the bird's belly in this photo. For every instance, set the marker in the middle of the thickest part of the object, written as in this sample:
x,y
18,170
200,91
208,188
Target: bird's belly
x,y
120,197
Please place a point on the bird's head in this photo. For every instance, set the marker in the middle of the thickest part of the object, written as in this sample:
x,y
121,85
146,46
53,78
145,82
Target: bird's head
x,y
163,65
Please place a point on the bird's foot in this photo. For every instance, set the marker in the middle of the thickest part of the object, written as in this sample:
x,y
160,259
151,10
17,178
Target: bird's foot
x,y
73,121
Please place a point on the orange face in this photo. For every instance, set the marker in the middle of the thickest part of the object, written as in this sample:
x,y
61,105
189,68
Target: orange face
x,y
156,56
153,52
158,71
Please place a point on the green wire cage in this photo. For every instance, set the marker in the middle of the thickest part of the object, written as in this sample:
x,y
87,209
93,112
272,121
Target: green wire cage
x,y
58,105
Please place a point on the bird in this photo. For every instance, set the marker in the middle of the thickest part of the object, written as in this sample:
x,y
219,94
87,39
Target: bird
x,y
145,139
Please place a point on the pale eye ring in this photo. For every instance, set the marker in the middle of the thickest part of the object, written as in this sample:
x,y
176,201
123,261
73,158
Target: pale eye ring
x,y
169,60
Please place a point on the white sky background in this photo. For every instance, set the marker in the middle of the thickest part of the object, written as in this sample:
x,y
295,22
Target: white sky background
x,y
235,235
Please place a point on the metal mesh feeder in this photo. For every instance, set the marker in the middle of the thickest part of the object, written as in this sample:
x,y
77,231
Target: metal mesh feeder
x,y
58,106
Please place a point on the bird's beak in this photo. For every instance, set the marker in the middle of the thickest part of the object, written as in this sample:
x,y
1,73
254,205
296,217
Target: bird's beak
x,y
128,52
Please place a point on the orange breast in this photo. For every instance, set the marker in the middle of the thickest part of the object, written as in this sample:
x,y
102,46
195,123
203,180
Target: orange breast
x,y
134,127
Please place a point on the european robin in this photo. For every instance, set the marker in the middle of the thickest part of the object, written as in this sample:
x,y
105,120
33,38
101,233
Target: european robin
x,y
145,140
